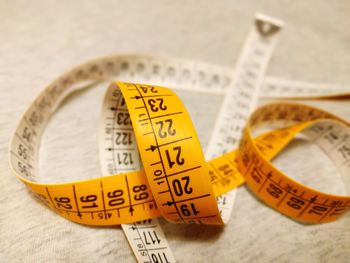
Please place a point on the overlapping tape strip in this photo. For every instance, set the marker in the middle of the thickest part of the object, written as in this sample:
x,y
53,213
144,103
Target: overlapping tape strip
x,y
175,181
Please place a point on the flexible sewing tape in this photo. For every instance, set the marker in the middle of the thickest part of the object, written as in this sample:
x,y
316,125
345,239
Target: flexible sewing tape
x,y
178,73
32,124
281,192
172,156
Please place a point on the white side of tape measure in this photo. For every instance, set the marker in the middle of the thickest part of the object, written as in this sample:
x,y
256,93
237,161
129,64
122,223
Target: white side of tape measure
x,y
334,140
247,79
282,88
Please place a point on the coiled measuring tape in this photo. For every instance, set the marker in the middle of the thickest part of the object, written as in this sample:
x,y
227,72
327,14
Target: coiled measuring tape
x,y
178,185
97,201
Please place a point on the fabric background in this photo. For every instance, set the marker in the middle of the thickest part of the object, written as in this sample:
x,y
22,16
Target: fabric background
x,y
41,39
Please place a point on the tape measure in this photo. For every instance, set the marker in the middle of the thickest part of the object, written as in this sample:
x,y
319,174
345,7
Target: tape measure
x,y
176,182
281,192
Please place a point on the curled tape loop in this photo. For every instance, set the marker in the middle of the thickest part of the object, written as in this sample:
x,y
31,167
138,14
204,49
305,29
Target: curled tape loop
x,y
179,184
280,191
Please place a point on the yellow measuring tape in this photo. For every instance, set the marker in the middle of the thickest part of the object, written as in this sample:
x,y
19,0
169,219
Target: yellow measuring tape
x,y
176,182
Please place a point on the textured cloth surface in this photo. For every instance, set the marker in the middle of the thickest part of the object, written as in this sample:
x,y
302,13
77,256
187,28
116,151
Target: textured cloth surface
x,y
41,39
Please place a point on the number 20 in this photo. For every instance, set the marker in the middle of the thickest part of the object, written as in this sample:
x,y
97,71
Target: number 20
x,y
179,189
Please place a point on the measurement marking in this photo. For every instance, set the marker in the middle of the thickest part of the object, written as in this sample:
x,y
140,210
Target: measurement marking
x,y
304,199
267,144
148,133
112,209
144,245
248,168
163,192
155,163
103,200
326,214
44,99
117,109
171,213
112,135
147,249
121,129
153,147
185,200
215,170
151,96
340,143
267,177
306,207
281,200
29,146
232,174
160,156
199,217
231,162
119,149
30,125
159,116
141,107
183,171
321,134
131,209
76,201
142,227
48,193
22,160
